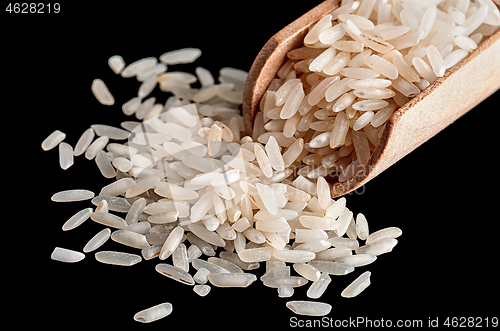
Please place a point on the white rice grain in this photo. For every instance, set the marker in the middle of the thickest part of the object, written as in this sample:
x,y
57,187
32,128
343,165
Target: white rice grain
x,y
205,77
378,248
324,197
72,195
313,35
66,255
370,104
359,73
102,93
316,222
185,55
231,280
363,121
53,140
108,219
424,69
256,254
382,66
114,203
344,242
357,286
65,155
151,72
293,256
104,164
309,308
361,227
393,32
284,91
307,271
147,87
339,131
263,160
375,43
139,66
332,268
268,198
274,154
201,290
97,241
110,131
408,40
170,191
428,20
154,313
465,43
343,222
320,140
117,258
305,185
352,29
322,60
234,74
175,273
84,142
117,188
357,260
436,60
348,46
77,219
337,63
384,234
96,147
331,35
335,209
454,57
382,115
130,238
206,235
373,93
319,286
173,240
405,70
405,87
116,63
360,143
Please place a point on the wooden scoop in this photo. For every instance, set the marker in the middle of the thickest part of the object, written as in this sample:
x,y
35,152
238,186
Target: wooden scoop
x,y
461,88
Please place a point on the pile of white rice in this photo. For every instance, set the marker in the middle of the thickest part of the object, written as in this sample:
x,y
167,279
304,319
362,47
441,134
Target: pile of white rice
x,y
357,65
184,185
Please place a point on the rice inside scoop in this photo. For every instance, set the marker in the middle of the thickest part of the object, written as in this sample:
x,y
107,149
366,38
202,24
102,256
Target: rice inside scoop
x,y
360,63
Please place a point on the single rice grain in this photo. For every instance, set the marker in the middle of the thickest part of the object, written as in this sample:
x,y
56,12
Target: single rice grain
x,y
72,195
309,308
357,286
185,55
65,155
97,241
66,255
102,93
154,313
53,140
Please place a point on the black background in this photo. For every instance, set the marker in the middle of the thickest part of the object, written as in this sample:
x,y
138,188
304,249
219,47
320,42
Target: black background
x,y
440,195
